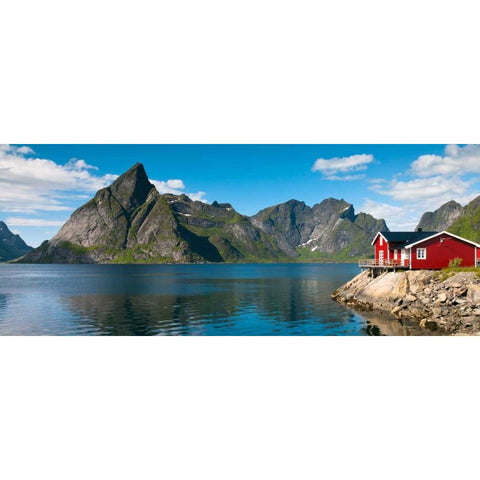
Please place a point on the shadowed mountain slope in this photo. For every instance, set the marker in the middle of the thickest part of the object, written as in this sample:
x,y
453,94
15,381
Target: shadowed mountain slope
x,y
11,246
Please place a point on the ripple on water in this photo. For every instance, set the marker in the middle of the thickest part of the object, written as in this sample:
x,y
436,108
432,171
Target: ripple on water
x,y
175,300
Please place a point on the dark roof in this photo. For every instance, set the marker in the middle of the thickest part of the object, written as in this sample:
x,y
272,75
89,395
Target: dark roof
x,y
406,238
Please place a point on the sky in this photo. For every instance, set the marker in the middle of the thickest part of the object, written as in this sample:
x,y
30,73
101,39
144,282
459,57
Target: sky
x,y
41,185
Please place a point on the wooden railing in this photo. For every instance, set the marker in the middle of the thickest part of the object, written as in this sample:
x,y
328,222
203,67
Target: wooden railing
x,y
372,263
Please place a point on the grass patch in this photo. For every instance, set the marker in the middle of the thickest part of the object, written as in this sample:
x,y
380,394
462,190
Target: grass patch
x,y
448,272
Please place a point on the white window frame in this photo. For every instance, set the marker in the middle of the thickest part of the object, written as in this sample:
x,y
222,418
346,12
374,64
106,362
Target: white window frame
x,y
395,254
421,253
381,241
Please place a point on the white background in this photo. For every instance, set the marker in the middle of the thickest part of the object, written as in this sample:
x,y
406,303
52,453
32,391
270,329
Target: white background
x,y
239,72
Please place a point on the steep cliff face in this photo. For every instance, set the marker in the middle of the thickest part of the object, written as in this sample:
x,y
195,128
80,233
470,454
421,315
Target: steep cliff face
x,y
289,224
442,218
329,230
11,246
223,232
128,221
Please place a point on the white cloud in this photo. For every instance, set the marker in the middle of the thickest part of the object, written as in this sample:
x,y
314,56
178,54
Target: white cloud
x,y
34,184
177,187
197,196
31,185
79,164
381,210
33,222
456,161
429,192
170,186
25,150
330,168
403,217
14,149
434,181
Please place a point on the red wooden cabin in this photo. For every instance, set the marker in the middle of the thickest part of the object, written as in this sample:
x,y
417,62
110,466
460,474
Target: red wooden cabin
x,y
424,250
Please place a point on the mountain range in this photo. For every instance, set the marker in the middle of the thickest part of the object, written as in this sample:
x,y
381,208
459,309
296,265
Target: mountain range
x,y
130,222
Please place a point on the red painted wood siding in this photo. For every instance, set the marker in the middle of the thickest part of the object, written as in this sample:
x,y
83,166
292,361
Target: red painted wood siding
x,y
439,254
379,248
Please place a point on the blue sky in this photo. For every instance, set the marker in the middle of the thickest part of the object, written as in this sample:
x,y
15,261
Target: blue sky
x,y
41,185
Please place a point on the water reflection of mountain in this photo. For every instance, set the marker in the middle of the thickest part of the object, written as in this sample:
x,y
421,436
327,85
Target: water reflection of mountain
x,y
223,307
3,302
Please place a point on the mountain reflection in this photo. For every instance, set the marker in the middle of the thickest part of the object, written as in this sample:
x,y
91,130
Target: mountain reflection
x,y
279,299
3,301
223,307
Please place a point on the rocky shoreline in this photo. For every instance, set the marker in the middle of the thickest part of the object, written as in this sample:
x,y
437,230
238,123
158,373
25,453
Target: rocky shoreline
x,y
450,306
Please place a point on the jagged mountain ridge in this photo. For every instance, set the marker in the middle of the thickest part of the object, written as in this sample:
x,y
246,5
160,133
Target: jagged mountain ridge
x,y
457,219
130,222
467,224
463,221
11,246
442,218
330,228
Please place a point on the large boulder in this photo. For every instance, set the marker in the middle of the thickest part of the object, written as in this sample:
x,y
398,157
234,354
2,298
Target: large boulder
x,y
473,293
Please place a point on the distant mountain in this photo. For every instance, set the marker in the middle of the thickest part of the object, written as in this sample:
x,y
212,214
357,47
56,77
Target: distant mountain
x,y
11,246
130,222
467,224
329,230
442,218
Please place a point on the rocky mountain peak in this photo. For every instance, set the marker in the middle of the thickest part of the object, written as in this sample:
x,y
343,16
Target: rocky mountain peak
x,y
11,245
442,218
467,223
348,212
132,188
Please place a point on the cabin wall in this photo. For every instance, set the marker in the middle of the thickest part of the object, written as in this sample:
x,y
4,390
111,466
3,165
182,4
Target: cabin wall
x,y
381,248
393,247
439,254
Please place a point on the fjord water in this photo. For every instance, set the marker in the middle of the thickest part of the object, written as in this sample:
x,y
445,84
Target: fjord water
x,y
278,299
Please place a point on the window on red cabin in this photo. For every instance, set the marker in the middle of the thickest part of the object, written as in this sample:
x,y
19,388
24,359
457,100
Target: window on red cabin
x,y
421,253
381,241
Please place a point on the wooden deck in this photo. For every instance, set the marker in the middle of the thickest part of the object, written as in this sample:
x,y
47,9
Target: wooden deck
x,y
386,264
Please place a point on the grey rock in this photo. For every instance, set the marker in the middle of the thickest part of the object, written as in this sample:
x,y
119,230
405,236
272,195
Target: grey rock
x,y
442,297
473,293
328,228
11,246
441,218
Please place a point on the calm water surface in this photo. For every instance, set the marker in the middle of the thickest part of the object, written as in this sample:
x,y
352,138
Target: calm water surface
x,y
177,300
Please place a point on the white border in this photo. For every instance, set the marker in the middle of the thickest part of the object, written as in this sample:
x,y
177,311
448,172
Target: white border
x,y
259,72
